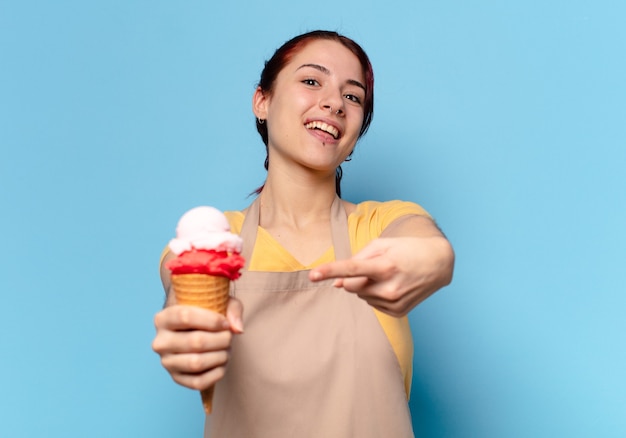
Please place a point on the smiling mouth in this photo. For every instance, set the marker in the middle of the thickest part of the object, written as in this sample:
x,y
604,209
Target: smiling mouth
x,y
323,127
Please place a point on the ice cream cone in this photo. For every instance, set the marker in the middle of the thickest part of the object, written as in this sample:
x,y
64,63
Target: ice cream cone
x,y
206,291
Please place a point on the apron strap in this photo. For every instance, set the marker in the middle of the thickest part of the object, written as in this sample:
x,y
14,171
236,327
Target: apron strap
x,y
339,230
249,230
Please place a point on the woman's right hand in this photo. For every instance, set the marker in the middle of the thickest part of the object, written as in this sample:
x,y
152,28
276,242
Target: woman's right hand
x,y
194,342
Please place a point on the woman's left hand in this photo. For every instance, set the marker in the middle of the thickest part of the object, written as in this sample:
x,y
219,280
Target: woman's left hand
x,y
397,271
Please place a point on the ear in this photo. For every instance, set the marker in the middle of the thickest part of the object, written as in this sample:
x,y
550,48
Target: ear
x,y
259,103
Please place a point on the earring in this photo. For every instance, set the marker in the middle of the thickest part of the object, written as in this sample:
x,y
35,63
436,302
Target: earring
x,y
261,121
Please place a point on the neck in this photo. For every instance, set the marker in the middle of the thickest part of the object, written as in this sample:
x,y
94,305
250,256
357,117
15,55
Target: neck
x,y
296,202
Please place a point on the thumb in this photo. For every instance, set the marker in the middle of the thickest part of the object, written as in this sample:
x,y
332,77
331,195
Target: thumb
x,y
234,314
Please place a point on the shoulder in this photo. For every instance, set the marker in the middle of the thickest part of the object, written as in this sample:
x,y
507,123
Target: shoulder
x,y
370,218
383,213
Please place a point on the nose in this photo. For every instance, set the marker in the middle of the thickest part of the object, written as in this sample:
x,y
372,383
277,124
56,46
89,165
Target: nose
x,y
333,102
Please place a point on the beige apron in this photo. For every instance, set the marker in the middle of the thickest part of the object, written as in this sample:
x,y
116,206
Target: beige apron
x,y
313,361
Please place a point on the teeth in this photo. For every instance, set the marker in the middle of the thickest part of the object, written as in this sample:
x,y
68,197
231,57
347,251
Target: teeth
x,y
324,127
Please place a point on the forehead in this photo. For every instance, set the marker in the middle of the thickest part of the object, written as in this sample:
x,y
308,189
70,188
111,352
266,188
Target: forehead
x,y
337,58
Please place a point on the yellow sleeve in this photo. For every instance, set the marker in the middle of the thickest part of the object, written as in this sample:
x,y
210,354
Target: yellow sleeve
x,y
370,219
235,219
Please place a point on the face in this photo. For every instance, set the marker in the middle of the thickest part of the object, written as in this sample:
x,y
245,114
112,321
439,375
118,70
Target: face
x,y
315,110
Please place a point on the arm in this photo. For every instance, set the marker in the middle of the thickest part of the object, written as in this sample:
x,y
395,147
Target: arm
x,y
409,262
193,342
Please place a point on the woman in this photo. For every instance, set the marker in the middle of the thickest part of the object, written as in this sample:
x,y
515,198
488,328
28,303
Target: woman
x,y
327,349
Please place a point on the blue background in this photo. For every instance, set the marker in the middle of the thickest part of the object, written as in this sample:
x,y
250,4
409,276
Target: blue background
x,y
506,120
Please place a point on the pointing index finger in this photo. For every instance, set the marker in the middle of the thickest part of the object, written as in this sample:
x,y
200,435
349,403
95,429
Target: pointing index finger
x,y
345,269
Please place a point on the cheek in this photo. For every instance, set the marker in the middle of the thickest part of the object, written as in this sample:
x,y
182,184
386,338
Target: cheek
x,y
357,122
303,101
287,108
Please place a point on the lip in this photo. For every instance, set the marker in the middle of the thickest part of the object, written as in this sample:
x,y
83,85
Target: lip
x,y
328,121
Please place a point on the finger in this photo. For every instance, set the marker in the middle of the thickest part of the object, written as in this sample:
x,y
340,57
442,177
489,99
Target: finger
x,y
389,299
181,317
353,284
376,269
194,363
392,308
337,269
234,314
370,292
195,341
372,251
200,381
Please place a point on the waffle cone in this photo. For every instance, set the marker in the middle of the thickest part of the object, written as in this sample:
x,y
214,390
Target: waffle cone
x,y
201,290
206,291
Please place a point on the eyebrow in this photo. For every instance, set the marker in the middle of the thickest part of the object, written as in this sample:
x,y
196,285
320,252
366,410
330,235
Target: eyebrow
x,y
324,70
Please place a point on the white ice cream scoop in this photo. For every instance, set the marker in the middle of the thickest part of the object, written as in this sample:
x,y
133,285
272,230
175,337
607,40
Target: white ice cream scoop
x,y
204,228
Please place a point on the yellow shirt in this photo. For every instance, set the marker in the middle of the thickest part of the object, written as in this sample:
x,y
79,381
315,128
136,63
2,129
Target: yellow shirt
x,y
366,223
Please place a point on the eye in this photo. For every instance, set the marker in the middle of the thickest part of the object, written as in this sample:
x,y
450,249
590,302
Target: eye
x,y
353,98
311,82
